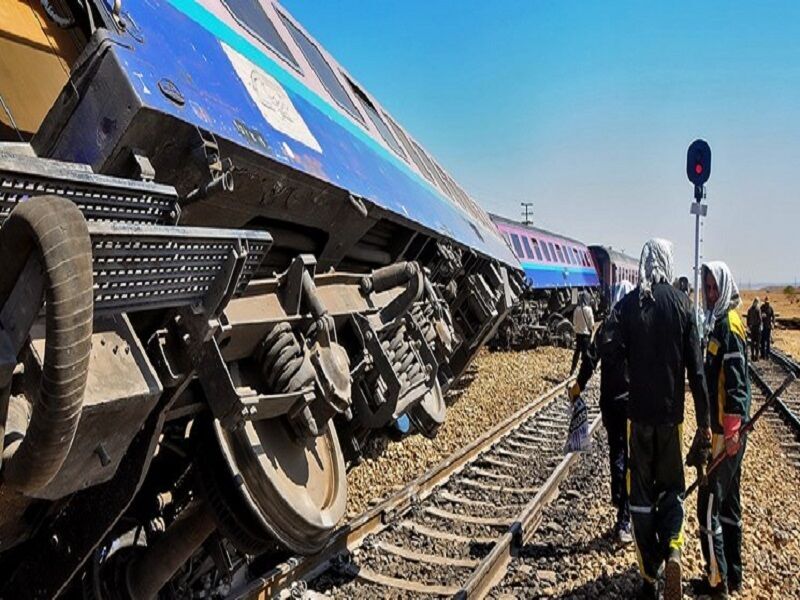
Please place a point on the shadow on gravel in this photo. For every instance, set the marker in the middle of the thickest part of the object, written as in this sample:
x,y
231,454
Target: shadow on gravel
x,y
618,585
603,544
454,393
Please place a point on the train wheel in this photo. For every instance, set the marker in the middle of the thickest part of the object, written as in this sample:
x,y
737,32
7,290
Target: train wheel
x,y
429,414
275,485
565,334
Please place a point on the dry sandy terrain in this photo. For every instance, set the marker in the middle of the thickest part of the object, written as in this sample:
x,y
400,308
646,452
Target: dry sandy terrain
x,y
787,340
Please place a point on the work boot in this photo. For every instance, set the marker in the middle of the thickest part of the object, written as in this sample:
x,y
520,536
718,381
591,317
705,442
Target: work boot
x,y
623,531
702,588
647,591
673,583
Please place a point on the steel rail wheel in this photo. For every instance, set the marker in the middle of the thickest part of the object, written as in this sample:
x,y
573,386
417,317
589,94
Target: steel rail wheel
x,y
430,413
295,488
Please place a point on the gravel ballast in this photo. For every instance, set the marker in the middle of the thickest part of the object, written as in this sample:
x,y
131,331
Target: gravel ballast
x,y
499,383
574,555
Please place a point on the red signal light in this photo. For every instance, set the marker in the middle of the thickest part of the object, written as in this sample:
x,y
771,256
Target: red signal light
x,y
698,168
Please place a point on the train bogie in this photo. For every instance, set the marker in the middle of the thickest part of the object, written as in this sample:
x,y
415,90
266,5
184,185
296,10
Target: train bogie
x,y
264,278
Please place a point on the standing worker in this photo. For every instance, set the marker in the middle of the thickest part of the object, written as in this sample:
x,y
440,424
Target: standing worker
x,y
754,327
655,329
719,509
583,323
767,321
614,410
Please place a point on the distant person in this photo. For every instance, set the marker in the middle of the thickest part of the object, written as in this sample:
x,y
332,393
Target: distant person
x,y
683,285
614,385
719,509
655,329
583,323
767,322
754,327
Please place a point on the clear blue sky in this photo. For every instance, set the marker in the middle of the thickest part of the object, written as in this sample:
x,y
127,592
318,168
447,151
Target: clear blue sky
x,y
586,109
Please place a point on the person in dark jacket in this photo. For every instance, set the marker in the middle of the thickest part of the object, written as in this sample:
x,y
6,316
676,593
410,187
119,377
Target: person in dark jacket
x,y
719,509
655,329
754,326
767,322
614,411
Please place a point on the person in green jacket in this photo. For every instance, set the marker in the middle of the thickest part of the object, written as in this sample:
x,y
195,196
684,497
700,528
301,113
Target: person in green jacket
x,y
719,509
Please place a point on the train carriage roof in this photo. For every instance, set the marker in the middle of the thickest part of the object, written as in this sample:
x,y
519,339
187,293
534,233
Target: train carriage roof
x,y
247,72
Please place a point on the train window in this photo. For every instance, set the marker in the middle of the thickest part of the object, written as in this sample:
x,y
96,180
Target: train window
x,y
527,245
449,190
375,117
517,245
409,148
250,15
536,249
552,251
560,254
321,67
429,165
546,252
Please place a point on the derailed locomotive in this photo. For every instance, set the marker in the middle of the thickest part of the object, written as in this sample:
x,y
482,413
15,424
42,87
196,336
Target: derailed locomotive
x,y
555,270
227,273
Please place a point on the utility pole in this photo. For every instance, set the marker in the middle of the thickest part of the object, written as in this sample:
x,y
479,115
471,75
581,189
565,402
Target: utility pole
x,y
525,207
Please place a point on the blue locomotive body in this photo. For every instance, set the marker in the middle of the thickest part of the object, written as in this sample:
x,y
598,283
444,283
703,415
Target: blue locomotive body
x,y
192,62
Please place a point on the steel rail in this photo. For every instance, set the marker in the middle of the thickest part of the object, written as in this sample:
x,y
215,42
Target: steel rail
x,y
494,565
789,365
351,535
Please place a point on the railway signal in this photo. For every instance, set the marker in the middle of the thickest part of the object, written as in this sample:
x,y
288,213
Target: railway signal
x,y
698,170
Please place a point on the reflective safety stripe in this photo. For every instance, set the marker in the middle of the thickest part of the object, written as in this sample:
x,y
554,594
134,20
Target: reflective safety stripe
x,y
640,509
732,355
704,530
730,521
713,576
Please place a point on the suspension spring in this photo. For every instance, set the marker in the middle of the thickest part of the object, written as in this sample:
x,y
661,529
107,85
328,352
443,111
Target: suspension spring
x,y
284,365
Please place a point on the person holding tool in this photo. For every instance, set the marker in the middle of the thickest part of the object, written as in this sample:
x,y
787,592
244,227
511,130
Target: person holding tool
x,y
719,510
655,330
614,410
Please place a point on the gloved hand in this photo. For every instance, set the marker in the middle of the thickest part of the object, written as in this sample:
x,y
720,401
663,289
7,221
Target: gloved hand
x,y
700,451
574,391
731,425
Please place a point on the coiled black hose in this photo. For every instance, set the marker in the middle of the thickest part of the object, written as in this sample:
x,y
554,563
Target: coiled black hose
x,y
56,231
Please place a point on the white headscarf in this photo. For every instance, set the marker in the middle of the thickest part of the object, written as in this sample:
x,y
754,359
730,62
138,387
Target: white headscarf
x,y
728,292
623,289
655,266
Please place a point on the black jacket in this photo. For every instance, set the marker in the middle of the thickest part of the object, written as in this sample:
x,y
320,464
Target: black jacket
x,y
613,371
767,316
660,342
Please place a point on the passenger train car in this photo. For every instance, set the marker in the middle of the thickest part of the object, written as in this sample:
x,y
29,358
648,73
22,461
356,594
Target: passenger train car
x,y
556,270
613,267
278,276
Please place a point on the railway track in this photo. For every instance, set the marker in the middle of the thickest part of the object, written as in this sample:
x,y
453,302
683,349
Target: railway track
x,y
769,375
452,531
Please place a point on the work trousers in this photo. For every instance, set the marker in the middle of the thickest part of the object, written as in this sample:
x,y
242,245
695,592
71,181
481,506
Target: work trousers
x,y
755,344
719,513
581,345
656,488
766,342
615,420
